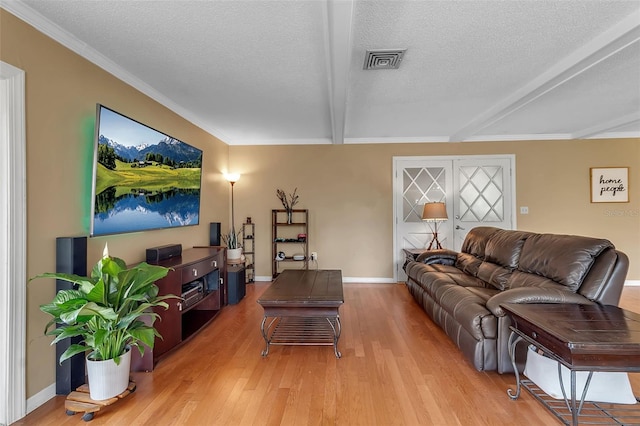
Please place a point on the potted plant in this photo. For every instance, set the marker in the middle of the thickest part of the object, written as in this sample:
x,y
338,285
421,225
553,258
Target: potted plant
x,y
231,240
105,310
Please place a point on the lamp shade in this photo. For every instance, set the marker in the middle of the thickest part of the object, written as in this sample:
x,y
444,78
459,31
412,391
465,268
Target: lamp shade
x,y
232,177
434,211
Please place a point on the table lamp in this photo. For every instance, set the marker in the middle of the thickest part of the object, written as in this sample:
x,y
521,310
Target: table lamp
x,y
434,212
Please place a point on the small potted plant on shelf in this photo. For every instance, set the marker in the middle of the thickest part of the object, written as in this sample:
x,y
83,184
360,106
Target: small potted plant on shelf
x,y
105,310
232,241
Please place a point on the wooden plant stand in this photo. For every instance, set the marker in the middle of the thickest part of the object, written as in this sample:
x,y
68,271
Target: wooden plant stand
x,y
79,401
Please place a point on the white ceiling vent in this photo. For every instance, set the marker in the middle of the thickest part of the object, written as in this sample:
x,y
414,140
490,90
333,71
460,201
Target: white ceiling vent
x,y
383,59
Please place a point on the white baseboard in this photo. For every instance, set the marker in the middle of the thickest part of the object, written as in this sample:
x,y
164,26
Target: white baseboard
x,y
361,280
368,280
41,397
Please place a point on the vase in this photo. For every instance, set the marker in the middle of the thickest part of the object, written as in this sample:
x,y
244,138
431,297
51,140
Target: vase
x,y
108,379
289,217
234,253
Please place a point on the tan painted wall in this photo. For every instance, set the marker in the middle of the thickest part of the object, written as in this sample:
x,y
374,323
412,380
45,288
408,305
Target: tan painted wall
x,y
348,190
62,90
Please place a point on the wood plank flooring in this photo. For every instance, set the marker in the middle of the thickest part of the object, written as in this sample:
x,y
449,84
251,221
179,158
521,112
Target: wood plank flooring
x,y
397,368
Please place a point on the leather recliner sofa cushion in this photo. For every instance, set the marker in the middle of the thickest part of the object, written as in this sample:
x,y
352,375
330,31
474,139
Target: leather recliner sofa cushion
x,y
562,258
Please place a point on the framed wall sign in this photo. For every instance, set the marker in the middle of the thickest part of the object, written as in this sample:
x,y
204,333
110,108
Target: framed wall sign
x,y
609,185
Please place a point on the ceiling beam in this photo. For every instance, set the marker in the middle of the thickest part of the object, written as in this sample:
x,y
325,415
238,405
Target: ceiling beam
x,y
609,125
338,25
618,37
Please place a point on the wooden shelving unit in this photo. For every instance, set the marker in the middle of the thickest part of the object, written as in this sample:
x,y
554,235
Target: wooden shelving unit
x,y
284,238
249,250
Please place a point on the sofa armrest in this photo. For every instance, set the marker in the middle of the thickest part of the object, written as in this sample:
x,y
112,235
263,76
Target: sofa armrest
x,y
533,295
439,256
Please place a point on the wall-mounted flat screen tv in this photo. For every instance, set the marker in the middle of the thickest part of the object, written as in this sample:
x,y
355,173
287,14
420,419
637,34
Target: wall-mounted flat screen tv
x,y
143,179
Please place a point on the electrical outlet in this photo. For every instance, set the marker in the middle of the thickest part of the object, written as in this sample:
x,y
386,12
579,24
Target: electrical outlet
x,y
314,255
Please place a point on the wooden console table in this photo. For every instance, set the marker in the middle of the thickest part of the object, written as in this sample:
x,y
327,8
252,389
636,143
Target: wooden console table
x,y
182,320
304,306
582,338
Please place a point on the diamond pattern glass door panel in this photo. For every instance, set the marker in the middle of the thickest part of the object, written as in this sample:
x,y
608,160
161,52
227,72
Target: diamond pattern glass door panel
x,y
417,182
481,194
421,185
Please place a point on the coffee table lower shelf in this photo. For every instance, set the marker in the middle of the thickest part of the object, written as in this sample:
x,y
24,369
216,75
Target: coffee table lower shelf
x,y
592,413
310,331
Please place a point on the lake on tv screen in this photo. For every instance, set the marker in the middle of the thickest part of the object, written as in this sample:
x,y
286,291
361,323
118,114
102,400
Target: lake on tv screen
x,y
144,211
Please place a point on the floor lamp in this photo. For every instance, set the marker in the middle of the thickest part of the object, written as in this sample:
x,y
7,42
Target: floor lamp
x,y
232,178
434,212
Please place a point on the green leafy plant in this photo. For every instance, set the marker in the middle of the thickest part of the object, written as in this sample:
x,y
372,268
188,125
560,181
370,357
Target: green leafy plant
x,y
106,309
231,240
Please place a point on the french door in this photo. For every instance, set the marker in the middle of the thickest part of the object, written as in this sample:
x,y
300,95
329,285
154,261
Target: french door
x,y
477,190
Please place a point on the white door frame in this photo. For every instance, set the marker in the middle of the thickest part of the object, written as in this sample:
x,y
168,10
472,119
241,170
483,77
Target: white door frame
x,y
397,192
13,225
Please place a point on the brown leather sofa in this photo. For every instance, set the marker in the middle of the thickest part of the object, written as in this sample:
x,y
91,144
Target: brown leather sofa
x,y
462,292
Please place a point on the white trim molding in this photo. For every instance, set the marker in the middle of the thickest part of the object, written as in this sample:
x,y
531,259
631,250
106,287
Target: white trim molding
x,y
13,234
358,280
41,397
368,280
375,280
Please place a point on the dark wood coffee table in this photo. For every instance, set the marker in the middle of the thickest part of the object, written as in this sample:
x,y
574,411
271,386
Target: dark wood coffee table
x,y
303,306
582,338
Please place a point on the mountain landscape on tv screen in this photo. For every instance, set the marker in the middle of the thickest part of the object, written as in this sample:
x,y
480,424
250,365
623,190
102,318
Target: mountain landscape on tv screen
x,y
145,186
168,148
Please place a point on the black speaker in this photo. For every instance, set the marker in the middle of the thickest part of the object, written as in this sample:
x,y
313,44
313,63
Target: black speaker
x,y
71,258
156,254
236,283
214,234
213,280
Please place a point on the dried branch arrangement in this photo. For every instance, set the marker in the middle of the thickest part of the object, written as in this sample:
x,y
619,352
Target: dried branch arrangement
x,y
289,202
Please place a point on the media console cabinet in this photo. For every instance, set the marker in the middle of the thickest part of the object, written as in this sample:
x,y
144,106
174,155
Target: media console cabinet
x,y
198,274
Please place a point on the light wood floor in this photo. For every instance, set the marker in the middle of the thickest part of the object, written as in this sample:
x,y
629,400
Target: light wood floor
x,y
397,368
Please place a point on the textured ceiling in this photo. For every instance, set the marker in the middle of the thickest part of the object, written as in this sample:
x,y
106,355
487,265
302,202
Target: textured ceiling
x,y
291,72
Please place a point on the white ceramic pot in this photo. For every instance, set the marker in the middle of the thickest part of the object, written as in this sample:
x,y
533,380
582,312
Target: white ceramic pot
x,y
234,253
108,379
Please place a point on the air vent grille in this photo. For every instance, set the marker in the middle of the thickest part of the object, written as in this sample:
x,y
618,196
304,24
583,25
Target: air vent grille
x,y
383,59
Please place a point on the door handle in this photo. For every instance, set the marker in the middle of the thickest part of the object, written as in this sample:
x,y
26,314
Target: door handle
x,y
459,227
